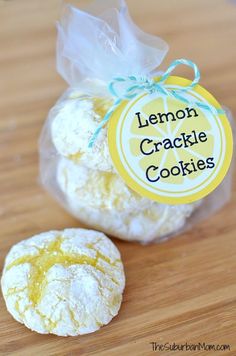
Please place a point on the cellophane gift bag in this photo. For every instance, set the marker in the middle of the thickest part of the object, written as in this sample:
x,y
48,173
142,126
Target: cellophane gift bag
x,y
93,47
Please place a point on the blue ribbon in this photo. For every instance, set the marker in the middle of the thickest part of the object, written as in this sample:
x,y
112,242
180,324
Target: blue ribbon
x,y
137,85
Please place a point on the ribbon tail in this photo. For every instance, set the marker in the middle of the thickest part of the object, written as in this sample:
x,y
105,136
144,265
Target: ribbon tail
x,y
201,105
102,123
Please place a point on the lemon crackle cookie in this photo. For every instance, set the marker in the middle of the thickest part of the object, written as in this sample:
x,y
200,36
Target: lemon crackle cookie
x,y
104,201
64,282
74,121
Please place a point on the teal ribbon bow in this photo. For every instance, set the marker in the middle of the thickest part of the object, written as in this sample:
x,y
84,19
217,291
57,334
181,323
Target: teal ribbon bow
x,y
138,85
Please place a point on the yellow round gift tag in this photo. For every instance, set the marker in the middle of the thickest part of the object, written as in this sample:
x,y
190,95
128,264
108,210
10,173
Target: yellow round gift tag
x,y
168,150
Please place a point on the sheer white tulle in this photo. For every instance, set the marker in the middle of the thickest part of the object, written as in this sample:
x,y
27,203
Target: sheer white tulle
x,y
104,43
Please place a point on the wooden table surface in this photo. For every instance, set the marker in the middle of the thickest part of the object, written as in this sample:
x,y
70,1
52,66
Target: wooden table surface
x,y
180,291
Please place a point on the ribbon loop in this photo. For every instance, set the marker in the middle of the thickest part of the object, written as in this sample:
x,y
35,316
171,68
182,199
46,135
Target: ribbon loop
x,y
187,63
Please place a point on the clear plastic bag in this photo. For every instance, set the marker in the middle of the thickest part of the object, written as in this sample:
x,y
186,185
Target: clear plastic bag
x,y
93,47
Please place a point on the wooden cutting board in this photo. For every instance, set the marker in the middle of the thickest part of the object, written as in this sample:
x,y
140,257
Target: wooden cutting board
x,y
183,290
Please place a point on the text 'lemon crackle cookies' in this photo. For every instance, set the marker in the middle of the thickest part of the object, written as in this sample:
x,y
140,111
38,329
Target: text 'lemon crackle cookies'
x,y
127,149
64,282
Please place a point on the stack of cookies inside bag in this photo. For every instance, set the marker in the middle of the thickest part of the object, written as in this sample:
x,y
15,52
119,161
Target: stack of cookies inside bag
x,y
93,190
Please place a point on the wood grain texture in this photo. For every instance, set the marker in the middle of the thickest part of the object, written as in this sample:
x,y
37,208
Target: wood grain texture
x,y
180,291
